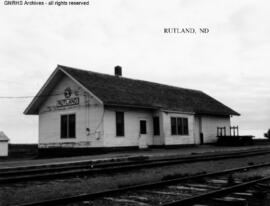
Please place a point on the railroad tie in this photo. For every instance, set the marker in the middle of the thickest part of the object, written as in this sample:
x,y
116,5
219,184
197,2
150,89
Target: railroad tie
x,y
245,194
138,197
181,187
199,205
217,181
121,200
160,192
211,187
267,186
236,201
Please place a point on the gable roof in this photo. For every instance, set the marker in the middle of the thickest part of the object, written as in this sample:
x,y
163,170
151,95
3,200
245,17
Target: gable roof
x,y
3,137
121,91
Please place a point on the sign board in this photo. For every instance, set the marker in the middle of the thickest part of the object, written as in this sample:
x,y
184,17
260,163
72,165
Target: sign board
x,y
68,102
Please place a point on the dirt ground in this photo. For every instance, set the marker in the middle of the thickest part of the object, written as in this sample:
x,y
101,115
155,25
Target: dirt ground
x,y
11,194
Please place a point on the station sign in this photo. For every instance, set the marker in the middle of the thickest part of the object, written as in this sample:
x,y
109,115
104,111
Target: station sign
x,y
68,102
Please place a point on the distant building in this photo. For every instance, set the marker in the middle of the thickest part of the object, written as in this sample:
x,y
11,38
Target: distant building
x,y
84,109
3,144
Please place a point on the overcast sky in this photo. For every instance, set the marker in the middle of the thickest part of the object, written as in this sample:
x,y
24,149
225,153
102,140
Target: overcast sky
x,y
230,63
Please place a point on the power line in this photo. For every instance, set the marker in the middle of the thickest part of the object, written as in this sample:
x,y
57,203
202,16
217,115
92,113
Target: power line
x,y
25,97
17,83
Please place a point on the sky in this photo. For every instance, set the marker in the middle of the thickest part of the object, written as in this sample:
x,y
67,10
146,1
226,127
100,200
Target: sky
x,y
231,62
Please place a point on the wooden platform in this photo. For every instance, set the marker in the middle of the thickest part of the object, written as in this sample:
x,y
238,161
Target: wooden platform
x,y
236,140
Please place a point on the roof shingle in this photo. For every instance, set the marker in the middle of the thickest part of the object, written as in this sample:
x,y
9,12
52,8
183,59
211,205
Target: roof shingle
x,y
113,90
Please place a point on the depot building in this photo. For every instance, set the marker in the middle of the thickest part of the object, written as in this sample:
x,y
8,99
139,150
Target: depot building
x,y
89,111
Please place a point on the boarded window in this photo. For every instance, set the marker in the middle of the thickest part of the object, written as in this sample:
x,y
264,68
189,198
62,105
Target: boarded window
x,y
120,127
68,126
156,126
179,126
143,129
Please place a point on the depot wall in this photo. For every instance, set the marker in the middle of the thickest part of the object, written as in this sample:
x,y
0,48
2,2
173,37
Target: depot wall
x,y
210,124
132,130
101,122
88,113
177,139
207,125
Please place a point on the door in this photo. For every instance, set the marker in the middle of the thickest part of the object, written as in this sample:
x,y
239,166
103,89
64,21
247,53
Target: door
x,y
143,134
200,131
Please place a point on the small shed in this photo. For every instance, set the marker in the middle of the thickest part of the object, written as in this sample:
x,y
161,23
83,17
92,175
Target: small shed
x,y
3,144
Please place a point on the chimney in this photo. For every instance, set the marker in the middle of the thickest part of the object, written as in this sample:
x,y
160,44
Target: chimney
x,y
118,71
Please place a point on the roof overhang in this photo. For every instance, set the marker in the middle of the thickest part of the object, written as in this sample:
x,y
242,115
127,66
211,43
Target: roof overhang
x,y
168,110
44,92
130,106
177,111
3,137
33,107
218,114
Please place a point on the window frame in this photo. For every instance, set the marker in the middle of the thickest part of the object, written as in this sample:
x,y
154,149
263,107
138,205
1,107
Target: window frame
x,y
119,133
156,126
173,126
180,126
67,126
143,130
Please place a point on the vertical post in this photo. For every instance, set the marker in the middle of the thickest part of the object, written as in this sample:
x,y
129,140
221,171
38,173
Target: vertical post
x,y
237,130
224,131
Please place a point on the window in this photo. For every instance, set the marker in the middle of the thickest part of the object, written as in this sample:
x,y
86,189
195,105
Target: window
x,y
143,129
185,126
120,124
173,126
156,125
179,126
68,126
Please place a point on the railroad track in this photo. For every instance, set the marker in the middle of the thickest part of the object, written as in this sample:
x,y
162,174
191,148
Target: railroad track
x,y
88,167
203,189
